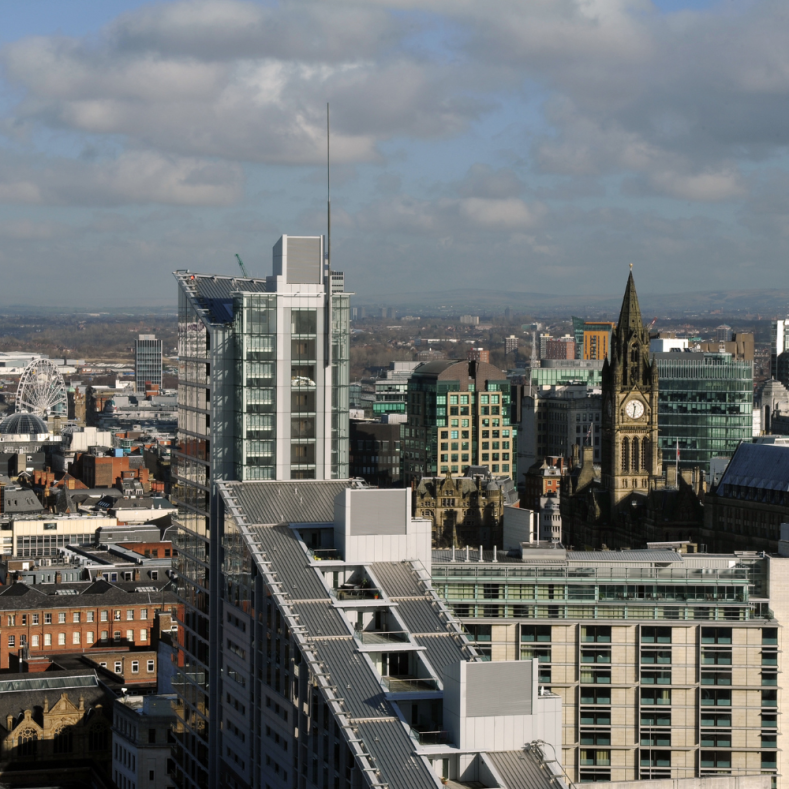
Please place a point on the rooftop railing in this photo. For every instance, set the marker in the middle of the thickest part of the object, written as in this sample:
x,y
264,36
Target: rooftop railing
x,y
430,737
326,555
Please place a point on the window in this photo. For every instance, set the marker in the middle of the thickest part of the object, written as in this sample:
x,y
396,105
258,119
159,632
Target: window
x,y
151,736
150,775
105,635
118,667
24,619
12,620
598,634
61,639
143,635
62,618
655,635
135,666
716,698
143,613
47,619
151,666
75,637
117,615
130,615
90,636
103,616
716,635
75,617
656,696
35,619
34,641
90,615
12,642
116,635
47,639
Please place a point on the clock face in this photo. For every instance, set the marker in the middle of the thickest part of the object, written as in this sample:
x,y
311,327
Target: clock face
x,y
634,409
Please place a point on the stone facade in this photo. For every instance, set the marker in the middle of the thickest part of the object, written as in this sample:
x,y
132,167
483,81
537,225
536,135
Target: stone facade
x,y
464,510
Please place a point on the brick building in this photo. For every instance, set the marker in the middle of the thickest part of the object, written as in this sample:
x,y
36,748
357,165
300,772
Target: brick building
x,y
109,472
50,619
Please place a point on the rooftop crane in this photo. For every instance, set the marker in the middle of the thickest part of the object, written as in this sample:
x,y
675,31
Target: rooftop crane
x,y
241,263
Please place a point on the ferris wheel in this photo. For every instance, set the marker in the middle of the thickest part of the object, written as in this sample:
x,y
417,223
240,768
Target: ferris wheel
x,y
41,389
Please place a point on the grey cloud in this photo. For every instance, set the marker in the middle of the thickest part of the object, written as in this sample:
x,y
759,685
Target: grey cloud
x,y
133,177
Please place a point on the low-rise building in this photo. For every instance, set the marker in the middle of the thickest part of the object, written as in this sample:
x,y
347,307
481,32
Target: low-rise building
x,y
141,740
467,510
747,507
80,617
55,728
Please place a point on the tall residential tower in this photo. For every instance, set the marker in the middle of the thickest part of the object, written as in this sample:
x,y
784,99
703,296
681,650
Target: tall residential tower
x,y
262,395
147,363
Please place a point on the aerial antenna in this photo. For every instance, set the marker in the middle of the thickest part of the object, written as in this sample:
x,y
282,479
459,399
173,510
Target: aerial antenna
x,y
328,192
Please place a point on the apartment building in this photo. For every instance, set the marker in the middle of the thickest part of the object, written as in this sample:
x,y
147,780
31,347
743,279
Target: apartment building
x,y
263,390
668,664
344,669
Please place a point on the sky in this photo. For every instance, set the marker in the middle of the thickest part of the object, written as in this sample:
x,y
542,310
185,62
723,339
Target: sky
x,y
520,145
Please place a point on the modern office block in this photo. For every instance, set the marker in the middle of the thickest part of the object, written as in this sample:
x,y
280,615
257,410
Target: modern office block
x,y
779,342
262,394
458,416
705,404
147,363
342,667
668,664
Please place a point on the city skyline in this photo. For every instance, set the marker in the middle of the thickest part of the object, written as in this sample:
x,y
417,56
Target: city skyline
x,y
554,142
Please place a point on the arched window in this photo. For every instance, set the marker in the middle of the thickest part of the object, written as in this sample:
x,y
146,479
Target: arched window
x,y
635,456
63,743
645,454
634,354
625,454
27,742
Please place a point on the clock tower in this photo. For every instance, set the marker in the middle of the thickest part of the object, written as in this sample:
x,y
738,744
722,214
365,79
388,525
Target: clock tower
x,y
630,452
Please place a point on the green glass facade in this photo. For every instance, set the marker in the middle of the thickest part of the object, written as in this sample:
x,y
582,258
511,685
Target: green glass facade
x,y
705,404
591,375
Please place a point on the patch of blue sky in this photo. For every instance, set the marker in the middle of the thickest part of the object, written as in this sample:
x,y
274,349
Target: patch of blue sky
x,y
53,17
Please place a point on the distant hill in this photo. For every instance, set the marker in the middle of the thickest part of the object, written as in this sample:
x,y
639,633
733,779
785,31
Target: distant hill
x,y
764,302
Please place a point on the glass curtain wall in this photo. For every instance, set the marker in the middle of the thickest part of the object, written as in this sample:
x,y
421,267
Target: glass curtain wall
x,y
341,366
255,330
190,493
705,403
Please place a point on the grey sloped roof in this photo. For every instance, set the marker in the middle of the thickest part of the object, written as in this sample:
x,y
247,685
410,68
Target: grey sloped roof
x,y
355,679
419,616
214,293
443,650
21,501
764,466
320,618
520,770
290,562
393,751
292,501
397,579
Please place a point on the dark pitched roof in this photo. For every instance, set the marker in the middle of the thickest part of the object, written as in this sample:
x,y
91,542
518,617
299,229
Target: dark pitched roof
x,y
763,466
19,595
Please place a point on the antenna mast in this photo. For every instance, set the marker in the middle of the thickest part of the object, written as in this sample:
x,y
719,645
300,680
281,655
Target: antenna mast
x,y
328,192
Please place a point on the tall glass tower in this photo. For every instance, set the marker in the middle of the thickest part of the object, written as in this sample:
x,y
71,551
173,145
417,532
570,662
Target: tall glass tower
x,y
263,388
147,362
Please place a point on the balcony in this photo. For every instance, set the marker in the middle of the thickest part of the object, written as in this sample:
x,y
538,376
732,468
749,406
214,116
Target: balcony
x,y
349,592
326,555
405,684
382,636
430,737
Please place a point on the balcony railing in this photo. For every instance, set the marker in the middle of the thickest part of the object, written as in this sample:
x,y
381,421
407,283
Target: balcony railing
x,y
430,737
409,684
326,555
382,636
357,593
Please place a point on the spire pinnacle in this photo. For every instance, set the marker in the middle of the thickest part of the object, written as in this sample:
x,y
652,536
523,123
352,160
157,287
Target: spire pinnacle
x,y
630,314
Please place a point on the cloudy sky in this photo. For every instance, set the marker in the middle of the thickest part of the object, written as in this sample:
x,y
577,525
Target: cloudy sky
x,y
536,145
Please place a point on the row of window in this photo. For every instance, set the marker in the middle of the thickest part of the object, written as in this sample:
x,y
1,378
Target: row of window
x,y
76,638
76,617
